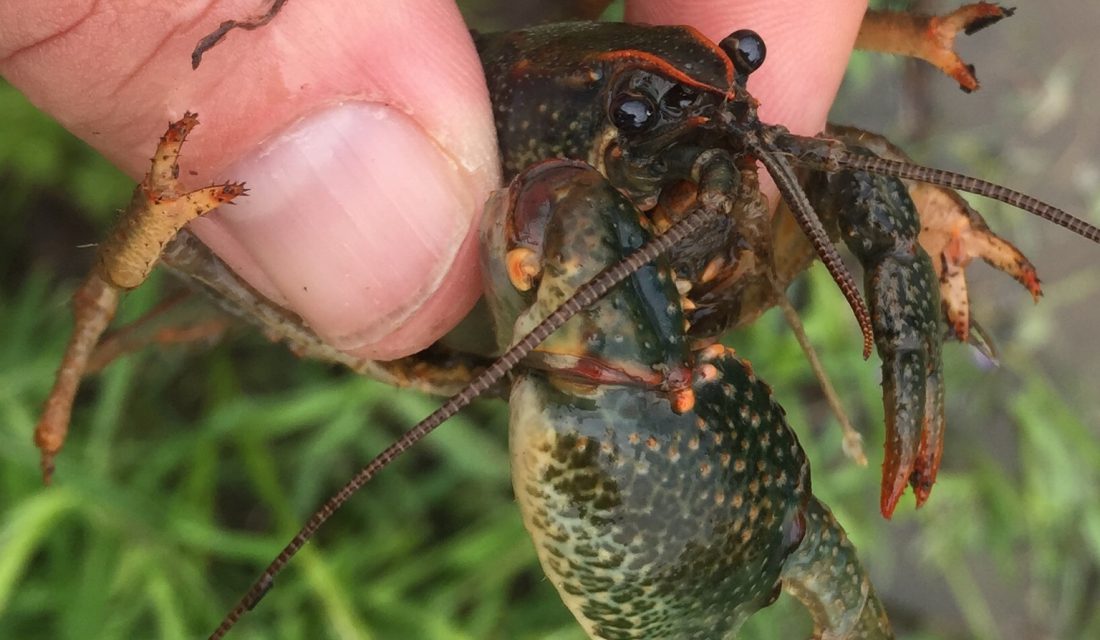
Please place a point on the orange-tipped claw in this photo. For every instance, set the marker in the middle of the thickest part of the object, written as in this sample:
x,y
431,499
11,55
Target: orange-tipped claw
x,y
931,442
913,398
881,225
903,397
930,38
954,234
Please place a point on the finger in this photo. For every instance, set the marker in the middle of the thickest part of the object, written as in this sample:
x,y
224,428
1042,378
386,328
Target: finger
x,y
363,129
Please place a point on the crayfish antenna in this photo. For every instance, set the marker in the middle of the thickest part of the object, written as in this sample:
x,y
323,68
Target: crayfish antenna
x,y
951,180
827,154
810,223
852,444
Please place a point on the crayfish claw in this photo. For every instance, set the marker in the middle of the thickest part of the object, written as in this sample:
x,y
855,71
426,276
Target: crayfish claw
x,y
880,224
932,435
903,398
954,234
160,207
930,38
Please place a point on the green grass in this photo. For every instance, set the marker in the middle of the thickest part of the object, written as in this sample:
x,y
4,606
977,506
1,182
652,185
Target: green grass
x,y
189,468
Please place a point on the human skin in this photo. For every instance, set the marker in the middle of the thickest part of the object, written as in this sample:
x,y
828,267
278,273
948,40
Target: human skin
x,y
362,128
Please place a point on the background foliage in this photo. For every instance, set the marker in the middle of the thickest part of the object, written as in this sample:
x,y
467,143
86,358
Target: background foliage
x,y
188,468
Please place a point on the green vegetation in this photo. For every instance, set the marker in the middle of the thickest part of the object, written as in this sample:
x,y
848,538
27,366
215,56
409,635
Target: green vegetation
x,y
189,467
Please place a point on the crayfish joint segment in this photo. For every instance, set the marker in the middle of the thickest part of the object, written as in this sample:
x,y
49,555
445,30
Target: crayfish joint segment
x,y
157,211
94,305
930,38
825,575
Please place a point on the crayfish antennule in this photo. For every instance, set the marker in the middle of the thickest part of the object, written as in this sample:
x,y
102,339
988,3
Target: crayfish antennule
x,y
808,220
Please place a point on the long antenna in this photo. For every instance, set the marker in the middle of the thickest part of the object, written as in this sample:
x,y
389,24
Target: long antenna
x,y
811,225
584,296
952,180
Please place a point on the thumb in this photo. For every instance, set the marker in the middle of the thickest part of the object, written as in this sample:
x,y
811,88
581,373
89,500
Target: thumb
x,y
362,127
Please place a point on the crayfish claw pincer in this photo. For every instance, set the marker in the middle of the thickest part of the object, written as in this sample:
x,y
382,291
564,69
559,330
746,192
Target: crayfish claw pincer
x,y
931,38
881,225
159,209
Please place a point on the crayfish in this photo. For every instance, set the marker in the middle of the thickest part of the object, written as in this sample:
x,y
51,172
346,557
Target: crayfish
x,y
665,492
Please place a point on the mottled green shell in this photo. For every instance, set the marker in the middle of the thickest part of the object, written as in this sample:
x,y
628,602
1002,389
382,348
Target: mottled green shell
x,y
655,525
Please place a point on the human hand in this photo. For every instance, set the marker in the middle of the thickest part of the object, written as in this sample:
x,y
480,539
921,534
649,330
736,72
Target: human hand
x,y
363,129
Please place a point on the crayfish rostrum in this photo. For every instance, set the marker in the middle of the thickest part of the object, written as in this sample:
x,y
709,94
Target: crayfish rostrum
x,y
666,494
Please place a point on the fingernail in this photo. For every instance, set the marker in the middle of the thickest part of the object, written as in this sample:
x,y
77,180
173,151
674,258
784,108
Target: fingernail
x,y
355,220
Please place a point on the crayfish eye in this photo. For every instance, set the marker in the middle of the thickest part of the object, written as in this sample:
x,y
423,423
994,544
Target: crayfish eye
x,y
746,49
632,113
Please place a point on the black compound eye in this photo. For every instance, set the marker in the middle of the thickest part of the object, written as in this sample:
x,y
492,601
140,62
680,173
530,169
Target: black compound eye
x,y
679,97
746,49
632,113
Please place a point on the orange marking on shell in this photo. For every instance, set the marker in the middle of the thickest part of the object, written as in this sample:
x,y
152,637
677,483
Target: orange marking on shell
x,y
713,352
520,68
681,400
657,63
522,265
710,44
708,372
